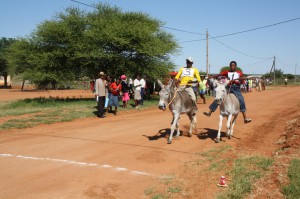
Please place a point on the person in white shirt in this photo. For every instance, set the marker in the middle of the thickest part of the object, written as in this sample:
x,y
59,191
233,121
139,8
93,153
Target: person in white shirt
x,y
137,90
143,85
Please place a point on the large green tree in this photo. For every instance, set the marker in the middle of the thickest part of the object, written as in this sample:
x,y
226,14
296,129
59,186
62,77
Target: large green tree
x,y
77,43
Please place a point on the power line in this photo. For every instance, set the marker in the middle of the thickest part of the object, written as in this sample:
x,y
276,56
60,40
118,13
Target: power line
x,y
282,62
244,31
84,4
257,62
195,33
239,51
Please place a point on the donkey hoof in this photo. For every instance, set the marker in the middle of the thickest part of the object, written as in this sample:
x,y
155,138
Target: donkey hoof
x,y
169,141
190,135
217,140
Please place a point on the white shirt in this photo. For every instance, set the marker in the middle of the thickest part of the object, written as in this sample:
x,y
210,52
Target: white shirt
x,y
135,83
143,82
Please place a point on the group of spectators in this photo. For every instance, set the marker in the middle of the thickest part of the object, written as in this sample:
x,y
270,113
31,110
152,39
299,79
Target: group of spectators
x,y
108,91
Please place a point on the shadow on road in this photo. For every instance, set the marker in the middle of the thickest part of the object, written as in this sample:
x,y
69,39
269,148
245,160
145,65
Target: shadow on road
x,y
212,134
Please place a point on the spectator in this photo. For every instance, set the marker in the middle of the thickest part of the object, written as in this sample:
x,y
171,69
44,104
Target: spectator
x,y
137,90
100,93
143,85
125,91
202,88
115,89
285,81
247,85
250,85
263,83
108,83
130,85
211,86
260,84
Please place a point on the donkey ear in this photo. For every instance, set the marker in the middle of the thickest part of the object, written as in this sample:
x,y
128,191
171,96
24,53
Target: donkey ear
x,y
226,81
160,84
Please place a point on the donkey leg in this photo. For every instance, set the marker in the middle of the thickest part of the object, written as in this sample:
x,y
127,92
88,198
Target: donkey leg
x,y
228,125
177,128
175,120
220,127
195,124
191,117
232,125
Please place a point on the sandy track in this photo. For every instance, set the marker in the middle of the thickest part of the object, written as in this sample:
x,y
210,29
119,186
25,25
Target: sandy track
x,y
120,156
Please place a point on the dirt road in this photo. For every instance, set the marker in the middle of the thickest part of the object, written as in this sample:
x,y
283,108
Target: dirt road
x,y
121,156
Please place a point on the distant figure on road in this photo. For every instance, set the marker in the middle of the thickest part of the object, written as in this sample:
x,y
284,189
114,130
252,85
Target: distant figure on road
x,y
285,81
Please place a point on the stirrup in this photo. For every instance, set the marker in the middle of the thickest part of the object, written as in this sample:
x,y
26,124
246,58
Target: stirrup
x,y
247,121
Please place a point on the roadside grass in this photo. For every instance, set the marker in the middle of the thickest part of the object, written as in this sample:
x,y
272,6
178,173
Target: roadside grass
x,y
241,172
292,190
31,112
245,172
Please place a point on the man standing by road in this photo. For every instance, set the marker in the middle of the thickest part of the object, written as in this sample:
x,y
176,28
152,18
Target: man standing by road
x,y
100,93
186,76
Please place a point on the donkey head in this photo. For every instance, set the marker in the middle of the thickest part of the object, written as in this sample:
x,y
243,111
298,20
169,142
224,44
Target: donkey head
x,y
220,90
164,95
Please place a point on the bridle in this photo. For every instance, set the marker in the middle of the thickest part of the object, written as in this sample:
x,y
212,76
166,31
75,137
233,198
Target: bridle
x,y
168,104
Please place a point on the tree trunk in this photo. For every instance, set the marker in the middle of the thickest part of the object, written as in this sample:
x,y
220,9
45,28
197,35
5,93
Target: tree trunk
x,y
5,79
23,83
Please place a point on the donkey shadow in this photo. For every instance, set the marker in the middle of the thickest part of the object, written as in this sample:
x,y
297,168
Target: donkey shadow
x,y
212,134
163,133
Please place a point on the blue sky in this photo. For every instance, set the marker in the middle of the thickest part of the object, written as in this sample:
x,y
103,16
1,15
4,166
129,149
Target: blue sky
x,y
19,18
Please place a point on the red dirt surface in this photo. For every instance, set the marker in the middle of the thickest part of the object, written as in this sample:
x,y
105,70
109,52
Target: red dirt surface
x,y
51,161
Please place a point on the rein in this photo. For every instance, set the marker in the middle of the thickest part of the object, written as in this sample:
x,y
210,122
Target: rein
x,y
168,104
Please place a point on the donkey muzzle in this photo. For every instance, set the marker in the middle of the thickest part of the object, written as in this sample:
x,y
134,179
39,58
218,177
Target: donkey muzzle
x,y
162,107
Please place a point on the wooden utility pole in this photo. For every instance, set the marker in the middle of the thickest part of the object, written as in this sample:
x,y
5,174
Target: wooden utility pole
x,y
274,69
295,72
206,53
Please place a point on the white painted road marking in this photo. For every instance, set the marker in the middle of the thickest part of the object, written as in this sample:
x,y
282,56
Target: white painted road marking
x,y
75,163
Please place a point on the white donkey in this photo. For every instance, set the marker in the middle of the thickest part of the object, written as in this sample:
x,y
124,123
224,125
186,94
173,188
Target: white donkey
x,y
179,102
229,107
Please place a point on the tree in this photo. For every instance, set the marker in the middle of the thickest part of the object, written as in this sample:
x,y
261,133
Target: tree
x,y
278,74
289,76
77,44
4,45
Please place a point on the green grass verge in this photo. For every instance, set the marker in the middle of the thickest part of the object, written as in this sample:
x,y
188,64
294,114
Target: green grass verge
x,y
292,190
246,171
31,112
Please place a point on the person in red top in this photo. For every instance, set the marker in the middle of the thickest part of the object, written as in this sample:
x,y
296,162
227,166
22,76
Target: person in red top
x,y
235,76
115,89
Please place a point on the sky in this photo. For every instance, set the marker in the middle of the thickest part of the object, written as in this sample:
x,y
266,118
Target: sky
x,y
253,51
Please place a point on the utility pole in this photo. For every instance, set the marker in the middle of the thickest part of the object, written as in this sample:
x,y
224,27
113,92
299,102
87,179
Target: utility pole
x,y
274,69
206,53
295,72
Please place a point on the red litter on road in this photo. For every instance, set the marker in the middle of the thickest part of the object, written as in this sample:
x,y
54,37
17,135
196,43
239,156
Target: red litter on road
x,y
222,182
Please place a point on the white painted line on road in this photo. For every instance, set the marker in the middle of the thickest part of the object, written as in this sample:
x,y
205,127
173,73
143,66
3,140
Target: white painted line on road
x,y
74,163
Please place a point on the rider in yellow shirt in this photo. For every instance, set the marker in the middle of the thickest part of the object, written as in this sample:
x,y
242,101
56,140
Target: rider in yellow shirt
x,y
186,77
